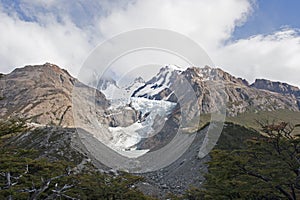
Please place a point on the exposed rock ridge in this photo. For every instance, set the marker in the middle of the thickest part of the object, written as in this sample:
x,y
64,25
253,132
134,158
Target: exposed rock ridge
x,y
214,87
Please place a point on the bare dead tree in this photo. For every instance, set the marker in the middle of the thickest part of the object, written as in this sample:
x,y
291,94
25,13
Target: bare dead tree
x,y
279,129
35,192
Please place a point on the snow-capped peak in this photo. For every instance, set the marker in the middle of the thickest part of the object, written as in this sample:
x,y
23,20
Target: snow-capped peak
x,y
171,67
161,82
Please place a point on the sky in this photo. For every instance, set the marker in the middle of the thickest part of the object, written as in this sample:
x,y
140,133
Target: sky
x,y
248,38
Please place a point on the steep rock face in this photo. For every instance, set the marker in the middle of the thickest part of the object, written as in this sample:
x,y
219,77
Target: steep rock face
x,y
213,87
115,118
42,93
239,96
48,95
215,90
278,87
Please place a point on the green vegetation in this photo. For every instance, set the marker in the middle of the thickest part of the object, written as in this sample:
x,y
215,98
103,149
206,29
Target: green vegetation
x,y
12,126
249,119
23,175
266,168
245,164
248,165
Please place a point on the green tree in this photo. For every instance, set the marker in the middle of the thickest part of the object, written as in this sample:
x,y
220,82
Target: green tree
x,y
12,126
23,175
267,168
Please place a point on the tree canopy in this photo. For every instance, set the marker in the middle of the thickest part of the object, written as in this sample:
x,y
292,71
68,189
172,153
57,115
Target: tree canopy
x,y
24,175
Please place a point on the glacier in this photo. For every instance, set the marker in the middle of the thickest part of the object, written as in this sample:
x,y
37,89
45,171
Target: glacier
x,y
124,139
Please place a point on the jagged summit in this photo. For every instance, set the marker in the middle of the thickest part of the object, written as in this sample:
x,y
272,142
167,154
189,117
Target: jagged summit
x,y
213,74
160,82
139,80
275,86
240,97
278,87
105,83
46,66
44,92
171,67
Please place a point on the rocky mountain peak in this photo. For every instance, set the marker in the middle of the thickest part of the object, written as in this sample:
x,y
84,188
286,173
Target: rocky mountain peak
x,y
171,67
208,73
104,83
42,93
139,80
240,97
45,68
277,87
159,83
46,74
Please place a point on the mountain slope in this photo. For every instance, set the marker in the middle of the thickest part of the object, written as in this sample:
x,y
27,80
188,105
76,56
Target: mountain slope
x,y
278,87
214,87
157,88
48,95
42,93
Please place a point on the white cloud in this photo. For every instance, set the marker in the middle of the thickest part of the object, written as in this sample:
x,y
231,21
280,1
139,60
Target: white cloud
x,y
47,3
211,24
64,33
25,43
274,56
207,22
56,31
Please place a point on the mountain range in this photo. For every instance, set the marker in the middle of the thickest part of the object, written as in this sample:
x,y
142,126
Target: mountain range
x,y
240,97
44,94
139,117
